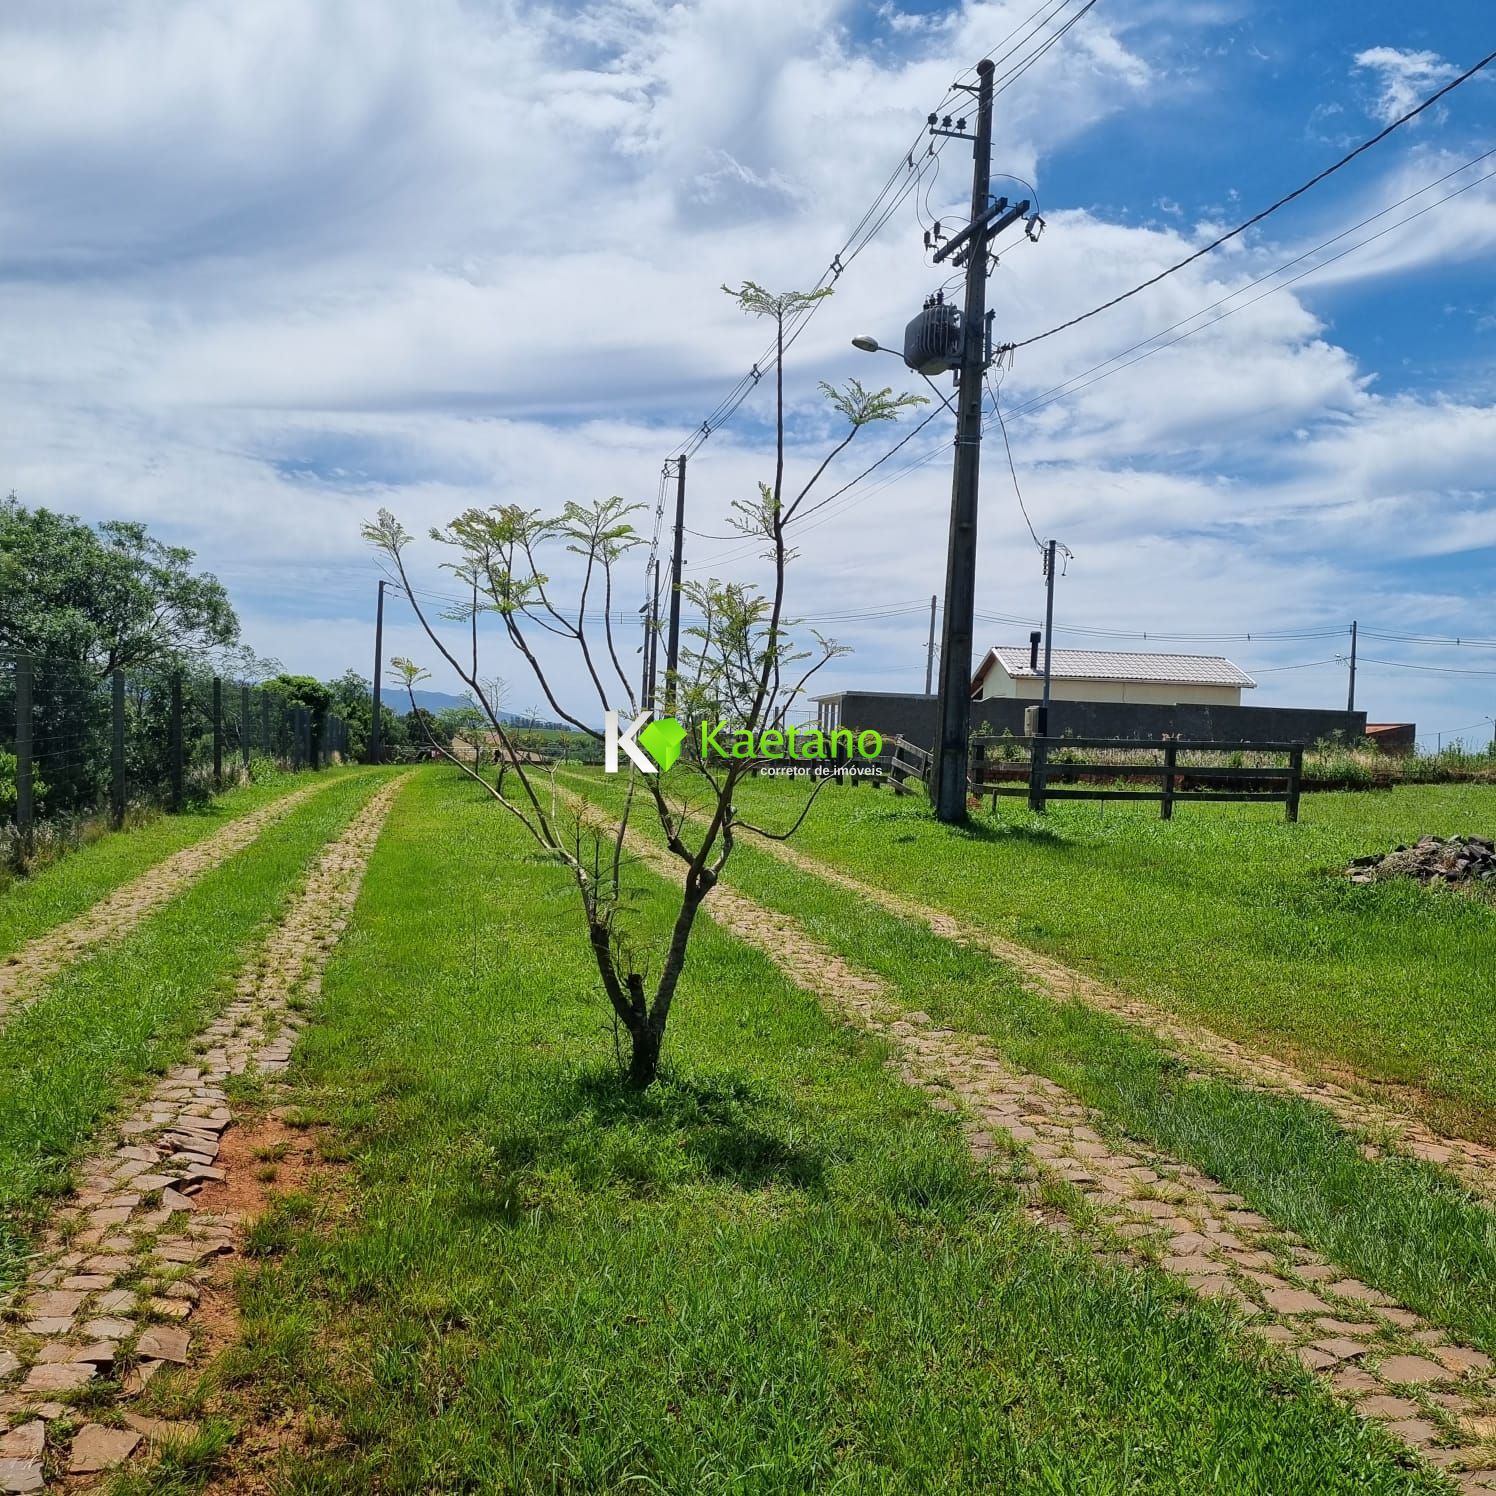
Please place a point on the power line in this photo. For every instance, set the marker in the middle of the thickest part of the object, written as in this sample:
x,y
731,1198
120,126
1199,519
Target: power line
x,y
1256,218
1072,386
878,215
1059,391
1426,669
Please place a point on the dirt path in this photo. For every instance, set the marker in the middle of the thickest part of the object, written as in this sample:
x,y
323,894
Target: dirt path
x,y
24,972
1433,1394
117,1281
1473,1163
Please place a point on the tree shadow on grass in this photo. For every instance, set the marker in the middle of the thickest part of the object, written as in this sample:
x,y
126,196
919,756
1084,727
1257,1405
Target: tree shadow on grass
x,y
720,1122
592,1134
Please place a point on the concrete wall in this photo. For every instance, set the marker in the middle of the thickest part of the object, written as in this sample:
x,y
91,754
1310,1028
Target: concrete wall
x,y
913,717
998,685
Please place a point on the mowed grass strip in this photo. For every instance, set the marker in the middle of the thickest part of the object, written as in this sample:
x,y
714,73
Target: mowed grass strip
x,y
31,906
1403,1226
776,1271
132,1009
1225,915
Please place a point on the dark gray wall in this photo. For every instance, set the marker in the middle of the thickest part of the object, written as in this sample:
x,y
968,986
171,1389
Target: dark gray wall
x,y
913,717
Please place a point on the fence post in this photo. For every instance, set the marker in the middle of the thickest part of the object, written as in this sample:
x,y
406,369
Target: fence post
x,y
266,746
1038,774
244,723
117,751
217,732
1171,760
978,770
1295,777
25,809
174,742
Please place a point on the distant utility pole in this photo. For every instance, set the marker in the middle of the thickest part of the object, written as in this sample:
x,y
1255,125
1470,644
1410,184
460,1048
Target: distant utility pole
x,y
1350,700
651,612
952,742
672,643
1049,564
374,726
930,647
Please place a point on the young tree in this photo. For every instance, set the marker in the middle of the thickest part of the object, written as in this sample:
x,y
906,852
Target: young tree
x,y
741,662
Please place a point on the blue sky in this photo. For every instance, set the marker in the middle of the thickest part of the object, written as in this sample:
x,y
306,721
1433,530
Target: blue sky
x,y
265,269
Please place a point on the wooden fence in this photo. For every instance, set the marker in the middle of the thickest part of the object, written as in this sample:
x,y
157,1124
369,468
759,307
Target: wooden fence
x,y
1177,783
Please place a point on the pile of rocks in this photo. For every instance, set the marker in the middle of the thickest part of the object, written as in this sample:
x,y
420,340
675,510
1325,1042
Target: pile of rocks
x,y
1432,859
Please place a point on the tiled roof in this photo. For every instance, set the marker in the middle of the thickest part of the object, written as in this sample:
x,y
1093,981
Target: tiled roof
x,y
1120,665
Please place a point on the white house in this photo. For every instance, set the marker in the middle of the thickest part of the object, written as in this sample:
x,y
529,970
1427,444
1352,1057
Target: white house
x,y
1112,676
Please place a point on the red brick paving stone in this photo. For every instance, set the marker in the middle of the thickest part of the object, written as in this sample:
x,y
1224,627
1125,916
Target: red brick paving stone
x,y
1278,1334
21,1457
1459,1358
25,1442
1387,1405
21,1476
1414,1431
1332,1326
1404,1319
101,1353
62,1377
107,1328
53,1304
1415,1369
1351,1381
1341,1348
161,1430
138,1378
1353,1288
1294,1301
98,1448
1313,1359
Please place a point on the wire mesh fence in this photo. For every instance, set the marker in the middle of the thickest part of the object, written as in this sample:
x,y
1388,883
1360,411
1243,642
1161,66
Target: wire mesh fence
x,y
74,744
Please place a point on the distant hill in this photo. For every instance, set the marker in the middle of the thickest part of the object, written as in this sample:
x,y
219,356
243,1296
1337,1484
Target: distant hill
x,y
438,701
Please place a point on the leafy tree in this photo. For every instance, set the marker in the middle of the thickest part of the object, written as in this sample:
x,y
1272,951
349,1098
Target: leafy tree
x,y
741,659
309,694
420,725
105,598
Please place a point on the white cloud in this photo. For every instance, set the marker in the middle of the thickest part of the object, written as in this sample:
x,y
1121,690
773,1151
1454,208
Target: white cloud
x,y
266,268
1403,78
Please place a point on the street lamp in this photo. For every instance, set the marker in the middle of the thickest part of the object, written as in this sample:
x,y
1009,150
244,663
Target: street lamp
x,y
869,345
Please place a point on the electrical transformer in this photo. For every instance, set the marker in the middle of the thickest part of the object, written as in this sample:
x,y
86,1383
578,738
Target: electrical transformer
x,y
932,341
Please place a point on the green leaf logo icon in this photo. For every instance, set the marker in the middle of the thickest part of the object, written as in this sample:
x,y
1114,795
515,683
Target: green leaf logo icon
x,y
661,740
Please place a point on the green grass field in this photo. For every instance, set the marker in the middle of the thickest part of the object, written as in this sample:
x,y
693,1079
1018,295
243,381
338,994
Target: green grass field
x,y
1403,1226
111,1020
776,1271
1226,916
31,906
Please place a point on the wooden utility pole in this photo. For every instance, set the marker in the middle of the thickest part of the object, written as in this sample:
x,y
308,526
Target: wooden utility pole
x,y
375,747
1049,554
930,647
953,738
672,642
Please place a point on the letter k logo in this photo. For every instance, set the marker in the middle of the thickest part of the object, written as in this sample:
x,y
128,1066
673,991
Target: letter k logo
x,y
613,740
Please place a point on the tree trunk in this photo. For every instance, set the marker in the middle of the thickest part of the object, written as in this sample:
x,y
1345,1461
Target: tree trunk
x,y
644,1062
